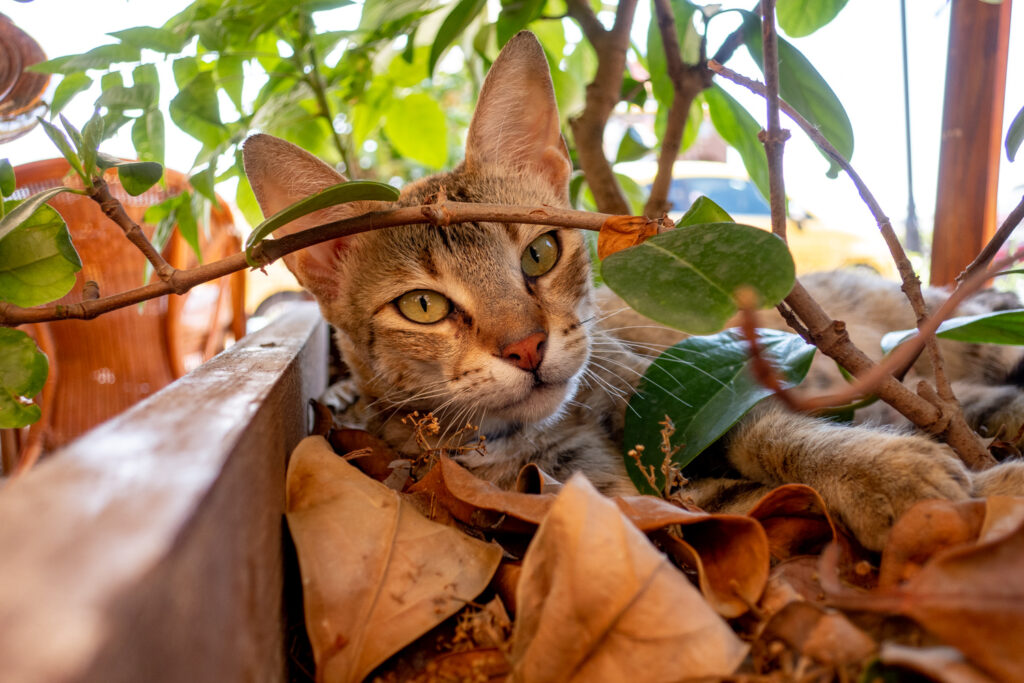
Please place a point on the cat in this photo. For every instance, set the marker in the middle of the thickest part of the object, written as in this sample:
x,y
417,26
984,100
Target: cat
x,y
500,326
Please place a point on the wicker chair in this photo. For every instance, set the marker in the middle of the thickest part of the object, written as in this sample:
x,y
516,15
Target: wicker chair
x,y
100,367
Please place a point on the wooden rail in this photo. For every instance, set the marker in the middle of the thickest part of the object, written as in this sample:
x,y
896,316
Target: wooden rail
x,y
150,549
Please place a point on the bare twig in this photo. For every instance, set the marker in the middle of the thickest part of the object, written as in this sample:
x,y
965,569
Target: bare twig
x,y
603,93
270,250
995,244
773,139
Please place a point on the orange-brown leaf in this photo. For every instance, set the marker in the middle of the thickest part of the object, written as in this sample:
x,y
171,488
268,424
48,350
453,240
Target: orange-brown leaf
x,y
819,633
597,602
924,530
622,232
376,574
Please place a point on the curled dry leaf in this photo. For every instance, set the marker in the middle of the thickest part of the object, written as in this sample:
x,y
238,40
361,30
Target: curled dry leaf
x,y
942,664
728,552
480,503
597,602
622,232
375,573
824,635
796,520
378,456
533,479
792,580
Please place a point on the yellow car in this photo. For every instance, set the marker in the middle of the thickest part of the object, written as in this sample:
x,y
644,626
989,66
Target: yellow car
x,y
814,246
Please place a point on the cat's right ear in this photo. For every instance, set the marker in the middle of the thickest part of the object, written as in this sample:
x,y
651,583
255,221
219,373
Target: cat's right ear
x,y
281,174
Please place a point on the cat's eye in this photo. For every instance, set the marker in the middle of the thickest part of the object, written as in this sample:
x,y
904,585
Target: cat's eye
x,y
423,306
540,256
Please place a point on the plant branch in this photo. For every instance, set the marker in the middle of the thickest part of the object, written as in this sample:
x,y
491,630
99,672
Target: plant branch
x,y
603,93
995,244
774,139
687,82
269,251
112,208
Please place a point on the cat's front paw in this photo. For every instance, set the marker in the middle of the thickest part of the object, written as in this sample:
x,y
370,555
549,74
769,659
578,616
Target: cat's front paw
x,y
886,479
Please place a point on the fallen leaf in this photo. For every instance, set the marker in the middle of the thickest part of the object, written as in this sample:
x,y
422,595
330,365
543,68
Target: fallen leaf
x,y
622,232
728,552
480,503
792,580
942,664
376,462
484,665
376,574
533,479
822,634
597,602
796,520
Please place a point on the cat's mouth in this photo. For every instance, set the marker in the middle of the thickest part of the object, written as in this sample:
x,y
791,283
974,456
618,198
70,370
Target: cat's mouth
x,y
542,400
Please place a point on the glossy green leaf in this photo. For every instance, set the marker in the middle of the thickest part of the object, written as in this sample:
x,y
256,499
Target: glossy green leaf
x,y
514,16
704,210
417,129
631,147
148,136
457,21
739,129
196,111
158,39
803,17
705,386
138,176
203,182
8,183
1003,327
188,224
805,90
37,261
687,278
1015,135
69,86
245,200
336,194
101,57
23,370
18,212
58,139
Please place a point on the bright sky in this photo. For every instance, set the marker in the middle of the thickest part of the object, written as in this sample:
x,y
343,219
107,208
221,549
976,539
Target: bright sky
x,y
858,54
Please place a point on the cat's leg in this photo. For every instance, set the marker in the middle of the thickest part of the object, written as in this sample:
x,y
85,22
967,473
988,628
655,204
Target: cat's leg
x,y
867,477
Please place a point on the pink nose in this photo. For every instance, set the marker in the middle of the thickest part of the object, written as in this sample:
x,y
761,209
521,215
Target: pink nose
x,y
526,353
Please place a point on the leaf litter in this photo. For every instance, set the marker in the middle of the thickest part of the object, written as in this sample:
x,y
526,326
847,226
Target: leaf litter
x,y
457,580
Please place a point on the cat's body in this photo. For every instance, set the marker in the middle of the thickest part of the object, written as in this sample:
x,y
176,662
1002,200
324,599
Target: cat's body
x,y
498,325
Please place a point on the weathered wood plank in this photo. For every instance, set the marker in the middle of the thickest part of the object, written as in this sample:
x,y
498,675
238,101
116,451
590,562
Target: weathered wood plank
x,y
150,549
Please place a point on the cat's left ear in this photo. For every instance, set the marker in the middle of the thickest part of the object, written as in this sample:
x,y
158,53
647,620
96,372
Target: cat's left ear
x,y
515,126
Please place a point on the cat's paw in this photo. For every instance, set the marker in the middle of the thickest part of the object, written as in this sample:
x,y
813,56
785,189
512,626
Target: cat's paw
x,y
1006,479
878,485
341,397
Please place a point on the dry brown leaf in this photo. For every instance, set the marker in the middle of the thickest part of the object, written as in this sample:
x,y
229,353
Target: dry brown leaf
x,y
481,503
377,462
533,479
942,664
728,552
485,665
792,580
622,232
375,573
597,602
796,520
816,632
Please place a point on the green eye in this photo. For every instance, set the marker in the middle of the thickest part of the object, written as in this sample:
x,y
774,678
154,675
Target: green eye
x,y
540,256
423,306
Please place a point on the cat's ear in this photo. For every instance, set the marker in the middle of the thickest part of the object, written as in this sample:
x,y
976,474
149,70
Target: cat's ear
x,y
515,126
281,174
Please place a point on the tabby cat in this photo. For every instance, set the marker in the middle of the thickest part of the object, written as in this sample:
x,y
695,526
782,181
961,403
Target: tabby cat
x,y
499,326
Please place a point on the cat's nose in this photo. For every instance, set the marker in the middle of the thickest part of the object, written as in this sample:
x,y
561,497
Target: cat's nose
x,y
526,353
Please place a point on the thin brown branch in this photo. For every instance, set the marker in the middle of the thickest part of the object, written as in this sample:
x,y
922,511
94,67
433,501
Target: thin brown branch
x,y
762,370
774,138
687,82
114,211
603,93
270,250
995,244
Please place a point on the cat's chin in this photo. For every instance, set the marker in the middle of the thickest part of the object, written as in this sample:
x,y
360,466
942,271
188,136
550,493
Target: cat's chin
x,y
543,404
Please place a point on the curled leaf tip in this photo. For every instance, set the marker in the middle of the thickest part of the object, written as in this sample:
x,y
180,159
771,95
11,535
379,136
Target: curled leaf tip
x,y
622,232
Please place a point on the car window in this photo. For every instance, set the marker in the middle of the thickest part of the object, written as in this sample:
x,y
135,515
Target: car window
x,y
735,195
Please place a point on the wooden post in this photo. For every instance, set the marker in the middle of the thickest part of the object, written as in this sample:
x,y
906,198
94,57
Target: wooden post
x,y
965,208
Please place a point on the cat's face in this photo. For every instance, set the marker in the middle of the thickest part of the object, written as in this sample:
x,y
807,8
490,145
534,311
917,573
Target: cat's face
x,y
484,322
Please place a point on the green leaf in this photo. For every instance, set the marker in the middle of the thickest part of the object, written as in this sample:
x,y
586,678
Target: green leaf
x,y
246,202
405,73
188,226
739,129
101,57
8,183
37,261
230,76
704,210
1003,327
23,370
138,176
705,386
514,16
163,216
158,39
196,111
148,136
805,90
686,278
146,74
24,209
92,135
141,96
631,147
417,129
336,194
800,18
58,139
185,69
203,182
457,21
69,86
1015,135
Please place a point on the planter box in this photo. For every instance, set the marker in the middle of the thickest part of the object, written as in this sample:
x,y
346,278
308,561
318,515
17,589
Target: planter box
x,y
150,549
